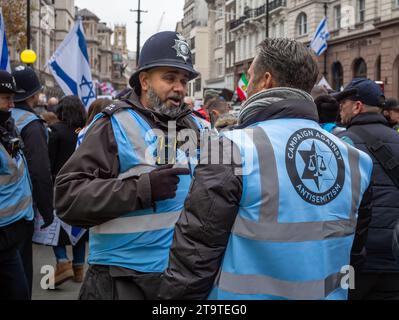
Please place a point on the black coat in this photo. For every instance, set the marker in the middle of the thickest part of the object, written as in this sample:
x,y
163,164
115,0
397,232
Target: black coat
x,y
385,203
62,144
36,153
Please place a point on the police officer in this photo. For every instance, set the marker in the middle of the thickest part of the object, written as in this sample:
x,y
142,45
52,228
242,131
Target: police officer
x,y
391,113
34,136
15,198
119,182
279,221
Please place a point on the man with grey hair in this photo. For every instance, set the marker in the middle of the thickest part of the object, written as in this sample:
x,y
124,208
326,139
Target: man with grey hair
x,y
279,221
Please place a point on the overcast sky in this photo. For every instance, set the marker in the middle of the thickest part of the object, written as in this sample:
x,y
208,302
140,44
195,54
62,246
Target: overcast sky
x,y
118,12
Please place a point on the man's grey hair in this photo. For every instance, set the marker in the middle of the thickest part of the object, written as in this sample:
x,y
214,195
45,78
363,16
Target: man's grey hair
x,y
290,63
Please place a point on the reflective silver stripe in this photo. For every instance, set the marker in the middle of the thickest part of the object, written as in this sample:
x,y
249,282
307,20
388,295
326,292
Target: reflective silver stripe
x,y
17,172
22,205
353,155
136,171
133,131
268,175
293,232
24,116
150,222
298,290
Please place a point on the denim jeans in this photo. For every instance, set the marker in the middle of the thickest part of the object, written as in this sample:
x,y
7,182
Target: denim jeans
x,y
78,251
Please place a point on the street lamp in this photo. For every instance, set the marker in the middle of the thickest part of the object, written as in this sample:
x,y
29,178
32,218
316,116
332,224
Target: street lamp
x,y
28,56
28,24
139,11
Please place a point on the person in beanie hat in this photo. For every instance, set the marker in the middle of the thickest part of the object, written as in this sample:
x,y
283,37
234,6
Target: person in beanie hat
x,y
14,189
130,198
34,136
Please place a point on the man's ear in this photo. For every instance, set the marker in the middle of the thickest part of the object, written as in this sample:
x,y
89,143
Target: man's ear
x,y
144,80
358,107
267,81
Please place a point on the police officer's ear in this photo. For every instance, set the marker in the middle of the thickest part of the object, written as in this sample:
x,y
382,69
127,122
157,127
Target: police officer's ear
x,y
144,78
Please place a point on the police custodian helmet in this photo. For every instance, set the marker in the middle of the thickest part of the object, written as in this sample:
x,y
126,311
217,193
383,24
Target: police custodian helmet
x,y
7,82
164,49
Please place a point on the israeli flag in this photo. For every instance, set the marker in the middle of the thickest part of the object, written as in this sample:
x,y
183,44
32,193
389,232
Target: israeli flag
x,y
4,58
319,41
70,66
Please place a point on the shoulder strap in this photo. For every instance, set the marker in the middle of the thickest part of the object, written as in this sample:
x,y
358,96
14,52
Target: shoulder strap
x,y
381,152
116,106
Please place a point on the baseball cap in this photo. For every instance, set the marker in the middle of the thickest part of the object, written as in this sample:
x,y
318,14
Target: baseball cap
x,y
364,90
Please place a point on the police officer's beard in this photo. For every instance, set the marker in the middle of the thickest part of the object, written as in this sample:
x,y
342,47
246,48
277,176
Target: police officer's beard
x,y
157,105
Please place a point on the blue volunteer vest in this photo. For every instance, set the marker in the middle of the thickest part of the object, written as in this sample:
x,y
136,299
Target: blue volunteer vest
x,y
22,118
295,227
15,189
138,240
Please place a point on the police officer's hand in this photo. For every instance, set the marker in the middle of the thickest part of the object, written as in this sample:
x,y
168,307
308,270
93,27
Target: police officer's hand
x,y
164,181
47,222
328,108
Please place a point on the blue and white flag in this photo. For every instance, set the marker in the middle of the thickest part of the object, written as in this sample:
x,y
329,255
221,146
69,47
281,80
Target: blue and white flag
x,y
4,58
70,66
319,41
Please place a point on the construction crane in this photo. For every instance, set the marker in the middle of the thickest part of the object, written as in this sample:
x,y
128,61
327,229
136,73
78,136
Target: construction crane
x,y
160,22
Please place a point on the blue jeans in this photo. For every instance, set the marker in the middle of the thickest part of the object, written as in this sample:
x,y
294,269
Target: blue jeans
x,y
78,251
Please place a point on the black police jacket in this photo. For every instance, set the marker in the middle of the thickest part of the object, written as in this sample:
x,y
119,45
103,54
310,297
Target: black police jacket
x,y
36,153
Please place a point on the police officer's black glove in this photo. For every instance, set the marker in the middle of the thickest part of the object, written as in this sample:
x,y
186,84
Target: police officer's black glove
x,y
164,181
328,108
47,222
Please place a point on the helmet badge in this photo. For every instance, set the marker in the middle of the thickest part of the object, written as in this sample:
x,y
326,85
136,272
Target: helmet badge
x,y
182,48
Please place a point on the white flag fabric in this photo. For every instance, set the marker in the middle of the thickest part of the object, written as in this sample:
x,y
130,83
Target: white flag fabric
x,y
4,57
319,41
70,66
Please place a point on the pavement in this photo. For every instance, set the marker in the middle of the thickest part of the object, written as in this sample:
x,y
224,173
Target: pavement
x,y
43,259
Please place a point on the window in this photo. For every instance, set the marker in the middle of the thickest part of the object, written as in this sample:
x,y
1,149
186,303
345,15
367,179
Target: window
x,y
219,12
219,38
338,76
197,85
361,9
282,29
302,24
337,16
219,63
359,68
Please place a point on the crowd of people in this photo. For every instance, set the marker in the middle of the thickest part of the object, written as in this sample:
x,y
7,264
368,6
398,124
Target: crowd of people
x,y
194,203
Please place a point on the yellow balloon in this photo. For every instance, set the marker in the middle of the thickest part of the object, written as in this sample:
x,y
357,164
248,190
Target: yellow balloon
x,y
28,56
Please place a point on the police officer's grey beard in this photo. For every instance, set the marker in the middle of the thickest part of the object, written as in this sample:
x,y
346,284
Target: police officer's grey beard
x,y
157,105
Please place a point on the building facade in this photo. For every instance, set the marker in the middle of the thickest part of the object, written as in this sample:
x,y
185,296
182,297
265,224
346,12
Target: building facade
x,y
195,29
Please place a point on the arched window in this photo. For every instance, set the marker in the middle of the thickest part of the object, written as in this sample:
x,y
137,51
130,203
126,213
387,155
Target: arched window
x,y
359,68
302,24
338,76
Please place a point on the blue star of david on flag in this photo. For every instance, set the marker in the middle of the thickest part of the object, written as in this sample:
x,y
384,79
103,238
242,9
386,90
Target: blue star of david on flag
x,y
319,41
87,87
70,66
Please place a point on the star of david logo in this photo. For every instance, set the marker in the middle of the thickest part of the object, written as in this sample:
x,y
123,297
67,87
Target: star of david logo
x,y
87,89
317,165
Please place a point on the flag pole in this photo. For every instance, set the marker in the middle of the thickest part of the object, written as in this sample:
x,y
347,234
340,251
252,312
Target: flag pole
x,y
325,52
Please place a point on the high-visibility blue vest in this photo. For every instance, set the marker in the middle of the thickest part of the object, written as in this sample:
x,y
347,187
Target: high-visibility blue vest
x,y
15,189
22,118
295,227
138,240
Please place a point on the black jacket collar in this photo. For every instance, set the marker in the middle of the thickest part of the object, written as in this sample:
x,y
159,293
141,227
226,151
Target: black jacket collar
x,y
368,118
